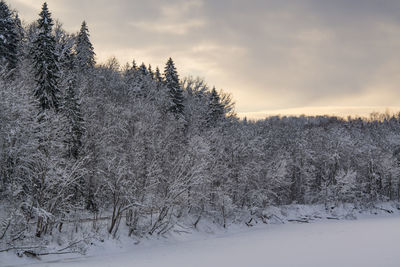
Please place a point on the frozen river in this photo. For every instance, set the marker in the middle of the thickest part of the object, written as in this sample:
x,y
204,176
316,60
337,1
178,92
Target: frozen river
x,y
365,242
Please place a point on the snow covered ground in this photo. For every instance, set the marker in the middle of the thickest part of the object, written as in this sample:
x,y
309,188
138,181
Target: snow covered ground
x,y
364,242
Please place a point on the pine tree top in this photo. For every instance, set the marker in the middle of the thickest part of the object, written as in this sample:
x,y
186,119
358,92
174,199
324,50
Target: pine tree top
x,y
45,62
170,65
134,65
84,48
6,21
83,36
171,74
214,92
45,21
150,70
5,12
8,37
142,69
84,26
157,75
175,91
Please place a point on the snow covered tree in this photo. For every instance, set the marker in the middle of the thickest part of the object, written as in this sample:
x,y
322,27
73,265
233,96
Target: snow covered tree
x,y
84,49
150,70
20,36
72,111
143,70
19,28
129,72
139,81
157,76
68,84
216,109
196,98
64,50
45,61
8,38
158,79
171,80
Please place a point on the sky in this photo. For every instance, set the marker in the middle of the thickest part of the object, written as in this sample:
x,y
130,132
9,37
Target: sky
x,y
312,57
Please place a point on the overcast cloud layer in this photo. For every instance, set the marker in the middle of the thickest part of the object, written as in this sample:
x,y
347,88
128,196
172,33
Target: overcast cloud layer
x,y
339,56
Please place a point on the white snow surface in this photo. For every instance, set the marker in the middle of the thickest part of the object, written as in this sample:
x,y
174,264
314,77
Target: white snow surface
x,y
364,242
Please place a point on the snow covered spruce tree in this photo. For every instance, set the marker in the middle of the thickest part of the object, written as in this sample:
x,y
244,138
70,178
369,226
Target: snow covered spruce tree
x,y
52,177
216,109
8,38
72,111
84,49
171,80
143,81
45,61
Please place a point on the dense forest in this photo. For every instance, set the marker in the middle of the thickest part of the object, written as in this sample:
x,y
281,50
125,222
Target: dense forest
x,y
135,150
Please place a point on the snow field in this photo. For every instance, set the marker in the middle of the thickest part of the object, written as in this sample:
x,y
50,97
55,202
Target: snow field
x,y
368,242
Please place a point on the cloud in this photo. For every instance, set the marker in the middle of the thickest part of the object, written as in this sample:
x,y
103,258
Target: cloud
x,y
270,54
179,28
175,19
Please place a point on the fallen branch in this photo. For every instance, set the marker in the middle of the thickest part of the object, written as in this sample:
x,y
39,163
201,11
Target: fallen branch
x,y
266,218
70,245
5,228
18,235
388,211
300,221
20,248
197,221
332,218
58,253
249,224
181,231
30,251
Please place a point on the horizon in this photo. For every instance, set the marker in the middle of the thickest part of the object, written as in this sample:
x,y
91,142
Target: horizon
x,y
308,57
335,111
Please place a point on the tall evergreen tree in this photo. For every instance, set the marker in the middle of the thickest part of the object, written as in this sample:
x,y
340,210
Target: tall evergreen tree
x,y
74,116
84,49
174,88
216,109
71,107
20,31
8,38
46,63
158,79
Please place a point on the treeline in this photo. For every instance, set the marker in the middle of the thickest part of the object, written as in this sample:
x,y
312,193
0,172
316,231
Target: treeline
x,y
148,150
